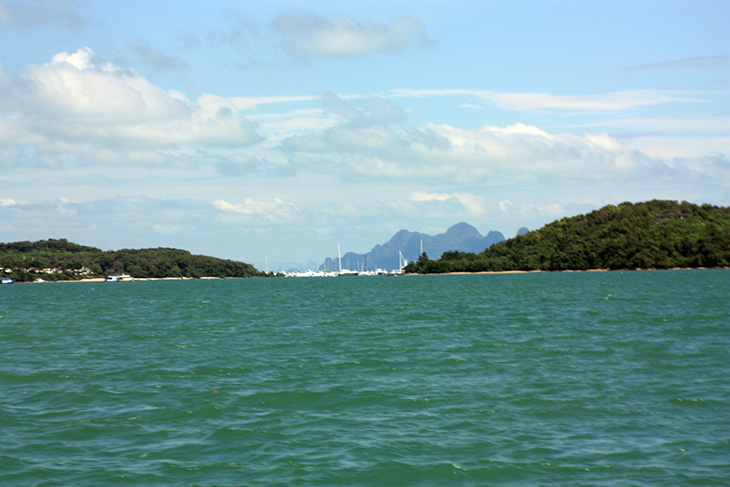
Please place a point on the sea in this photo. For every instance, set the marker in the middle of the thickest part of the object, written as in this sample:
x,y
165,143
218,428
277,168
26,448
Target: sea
x,y
536,379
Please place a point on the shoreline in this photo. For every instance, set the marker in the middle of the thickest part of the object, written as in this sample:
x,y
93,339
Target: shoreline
x,y
460,273
103,279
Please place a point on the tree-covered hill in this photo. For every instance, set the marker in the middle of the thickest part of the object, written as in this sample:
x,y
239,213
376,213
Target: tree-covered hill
x,y
54,260
652,235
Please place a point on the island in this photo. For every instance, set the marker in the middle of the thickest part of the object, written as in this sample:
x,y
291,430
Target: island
x,y
61,260
657,234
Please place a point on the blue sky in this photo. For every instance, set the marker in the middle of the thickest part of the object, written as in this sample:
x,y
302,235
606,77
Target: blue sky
x,y
274,130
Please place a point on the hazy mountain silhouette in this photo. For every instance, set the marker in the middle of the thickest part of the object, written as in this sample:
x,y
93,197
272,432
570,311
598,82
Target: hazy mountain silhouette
x,y
462,237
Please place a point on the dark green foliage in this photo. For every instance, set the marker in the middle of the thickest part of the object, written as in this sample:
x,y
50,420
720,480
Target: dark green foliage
x,y
653,235
62,260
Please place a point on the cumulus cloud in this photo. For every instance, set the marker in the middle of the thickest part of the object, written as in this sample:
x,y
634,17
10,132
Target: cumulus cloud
x,y
306,35
485,155
82,108
7,202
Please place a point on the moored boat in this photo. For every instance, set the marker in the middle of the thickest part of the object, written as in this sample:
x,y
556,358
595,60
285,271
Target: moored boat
x,y
119,278
343,272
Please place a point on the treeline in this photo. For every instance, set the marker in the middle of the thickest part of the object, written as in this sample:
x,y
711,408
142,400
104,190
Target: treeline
x,y
54,260
653,235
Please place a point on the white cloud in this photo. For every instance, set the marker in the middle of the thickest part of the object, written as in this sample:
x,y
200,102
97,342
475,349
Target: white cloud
x,y
373,111
276,127
66,207
546,211
251,102
505,205
599,102
357,149
274,210
667,147
617,101
81,108
488,154
473,205
418,196
306,35
690,135
7,202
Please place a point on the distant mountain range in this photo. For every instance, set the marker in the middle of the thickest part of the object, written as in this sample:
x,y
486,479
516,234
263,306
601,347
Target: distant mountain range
x,y
462,237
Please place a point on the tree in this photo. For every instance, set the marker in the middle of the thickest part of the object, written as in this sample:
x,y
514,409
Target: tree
x,y
655,234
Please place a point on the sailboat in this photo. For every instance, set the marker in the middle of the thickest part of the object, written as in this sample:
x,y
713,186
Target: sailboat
x,y
343,272
402,262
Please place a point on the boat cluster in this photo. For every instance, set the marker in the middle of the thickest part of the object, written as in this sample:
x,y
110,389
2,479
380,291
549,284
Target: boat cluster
x,y
343,273
340,272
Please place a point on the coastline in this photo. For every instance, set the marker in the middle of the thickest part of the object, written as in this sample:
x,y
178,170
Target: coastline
x,y
460,273
103,279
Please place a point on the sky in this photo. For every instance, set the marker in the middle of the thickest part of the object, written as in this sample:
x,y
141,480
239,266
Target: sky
x,y
270,131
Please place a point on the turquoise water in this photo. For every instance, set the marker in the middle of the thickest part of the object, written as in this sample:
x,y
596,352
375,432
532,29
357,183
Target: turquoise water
x,y
569,379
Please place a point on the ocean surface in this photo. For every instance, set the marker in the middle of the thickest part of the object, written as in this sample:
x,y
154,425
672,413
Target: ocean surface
x,y
565,379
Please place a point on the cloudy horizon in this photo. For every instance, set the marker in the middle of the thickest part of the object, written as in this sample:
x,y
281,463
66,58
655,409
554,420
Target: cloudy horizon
x,y
268,133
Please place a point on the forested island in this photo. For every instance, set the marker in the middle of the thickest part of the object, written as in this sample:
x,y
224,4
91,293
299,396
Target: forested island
x,y
657,234
653,235
61,260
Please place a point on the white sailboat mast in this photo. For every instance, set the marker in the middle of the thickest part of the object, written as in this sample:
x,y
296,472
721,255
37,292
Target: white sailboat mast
x,y
339,258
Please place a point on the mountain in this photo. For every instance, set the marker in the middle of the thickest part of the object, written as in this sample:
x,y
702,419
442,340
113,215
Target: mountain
x,y
657,234
462,237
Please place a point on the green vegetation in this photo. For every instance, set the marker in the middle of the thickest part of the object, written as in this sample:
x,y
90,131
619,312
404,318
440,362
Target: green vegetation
x,y
54,260
652,235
